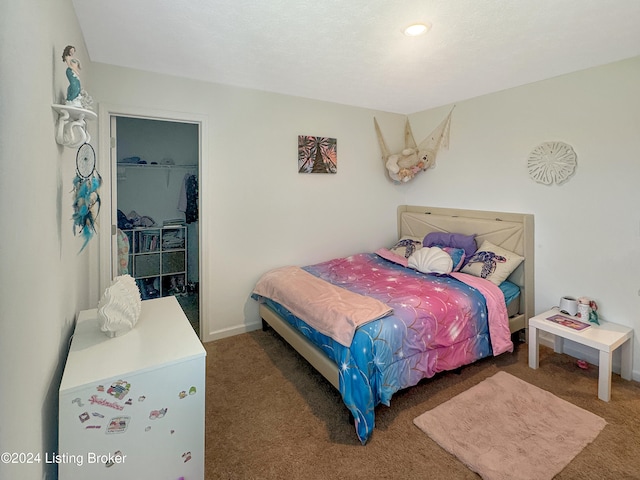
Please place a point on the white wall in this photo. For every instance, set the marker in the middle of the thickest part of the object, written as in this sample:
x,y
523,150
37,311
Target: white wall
x,y
43,279
257,211
587,229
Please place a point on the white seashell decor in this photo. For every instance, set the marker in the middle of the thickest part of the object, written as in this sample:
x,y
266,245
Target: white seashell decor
x,y
119,308
431,260
552,162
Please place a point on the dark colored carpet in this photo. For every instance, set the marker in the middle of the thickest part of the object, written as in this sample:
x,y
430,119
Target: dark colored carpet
x,y
269,415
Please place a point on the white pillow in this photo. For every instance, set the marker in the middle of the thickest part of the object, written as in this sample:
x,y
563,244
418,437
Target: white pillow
x,y
406,246
492,263
431,260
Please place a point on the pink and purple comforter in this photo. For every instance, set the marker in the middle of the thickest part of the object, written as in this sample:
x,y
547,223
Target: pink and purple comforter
x,y
438,323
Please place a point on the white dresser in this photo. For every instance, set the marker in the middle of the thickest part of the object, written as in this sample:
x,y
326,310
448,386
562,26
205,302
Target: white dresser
x,y
133,406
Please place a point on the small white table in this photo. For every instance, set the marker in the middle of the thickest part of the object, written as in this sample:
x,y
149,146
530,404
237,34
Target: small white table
x,y
605,337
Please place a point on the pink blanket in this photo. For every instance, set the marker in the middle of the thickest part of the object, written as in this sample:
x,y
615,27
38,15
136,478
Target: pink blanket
x,y
333,311
497,311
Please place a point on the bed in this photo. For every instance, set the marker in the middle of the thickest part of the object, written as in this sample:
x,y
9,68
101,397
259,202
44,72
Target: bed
x,y
434,321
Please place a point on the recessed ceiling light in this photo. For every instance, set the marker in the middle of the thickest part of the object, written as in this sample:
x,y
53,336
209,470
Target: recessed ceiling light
x,y
416,29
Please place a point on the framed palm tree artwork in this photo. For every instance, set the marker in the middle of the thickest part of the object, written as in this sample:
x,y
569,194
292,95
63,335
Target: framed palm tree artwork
x,y
317,154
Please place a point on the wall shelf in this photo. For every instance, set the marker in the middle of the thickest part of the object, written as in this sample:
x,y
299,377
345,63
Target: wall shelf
x,y
71,130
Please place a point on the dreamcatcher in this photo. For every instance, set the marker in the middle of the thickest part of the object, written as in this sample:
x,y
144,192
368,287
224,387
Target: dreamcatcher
x,y
86,204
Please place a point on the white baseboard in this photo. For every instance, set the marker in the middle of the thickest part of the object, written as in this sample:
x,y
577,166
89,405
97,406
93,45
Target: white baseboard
x,y
230,332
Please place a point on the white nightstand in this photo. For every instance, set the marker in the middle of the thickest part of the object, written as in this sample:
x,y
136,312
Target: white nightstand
x,y
605,337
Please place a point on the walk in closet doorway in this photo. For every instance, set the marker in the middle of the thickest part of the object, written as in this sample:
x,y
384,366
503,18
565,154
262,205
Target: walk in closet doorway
x,y
155,171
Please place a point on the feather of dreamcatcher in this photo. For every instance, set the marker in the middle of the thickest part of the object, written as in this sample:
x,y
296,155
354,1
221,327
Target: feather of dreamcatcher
x,y
86,206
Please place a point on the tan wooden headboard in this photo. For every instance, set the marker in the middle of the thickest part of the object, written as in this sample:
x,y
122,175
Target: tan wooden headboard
x,y
511,231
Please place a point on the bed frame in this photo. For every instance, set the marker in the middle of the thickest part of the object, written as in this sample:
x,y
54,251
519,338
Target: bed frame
x,y
512,231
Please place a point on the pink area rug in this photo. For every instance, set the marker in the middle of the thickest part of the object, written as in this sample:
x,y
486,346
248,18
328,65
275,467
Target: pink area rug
x,y
505,428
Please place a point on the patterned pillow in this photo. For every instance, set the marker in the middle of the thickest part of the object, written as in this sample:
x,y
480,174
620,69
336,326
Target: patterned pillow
x,y
456,254
407,246
392,257
396,254
492,262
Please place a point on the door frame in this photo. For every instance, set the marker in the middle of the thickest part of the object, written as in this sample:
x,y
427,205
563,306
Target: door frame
x,y
107,165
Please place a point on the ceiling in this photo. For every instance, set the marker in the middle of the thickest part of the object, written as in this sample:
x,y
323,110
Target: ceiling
x,y
353,52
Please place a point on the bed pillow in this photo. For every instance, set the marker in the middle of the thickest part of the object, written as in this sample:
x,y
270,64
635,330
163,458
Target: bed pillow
x,y
492,263
455,240
406,246
457,256
392,257
401,251
431,260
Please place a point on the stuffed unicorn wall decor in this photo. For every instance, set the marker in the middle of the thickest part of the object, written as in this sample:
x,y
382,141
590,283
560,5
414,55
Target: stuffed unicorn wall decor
x,y
413,159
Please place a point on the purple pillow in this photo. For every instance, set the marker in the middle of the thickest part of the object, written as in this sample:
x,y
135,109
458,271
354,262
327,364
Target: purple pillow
x,y
455,240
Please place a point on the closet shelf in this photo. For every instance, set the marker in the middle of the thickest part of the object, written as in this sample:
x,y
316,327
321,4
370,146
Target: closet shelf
x,y
160,169
153,165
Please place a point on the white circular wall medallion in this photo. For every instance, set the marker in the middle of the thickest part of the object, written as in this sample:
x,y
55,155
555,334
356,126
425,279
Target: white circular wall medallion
x,y
552,162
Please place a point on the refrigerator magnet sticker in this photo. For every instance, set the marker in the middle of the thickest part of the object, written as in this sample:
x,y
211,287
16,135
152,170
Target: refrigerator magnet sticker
x,y
157,413
183,393
119,389
117,457
118,424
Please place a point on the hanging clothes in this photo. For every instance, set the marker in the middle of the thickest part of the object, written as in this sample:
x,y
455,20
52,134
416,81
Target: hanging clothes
x,y
188,199
123,252
191,214
182,198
